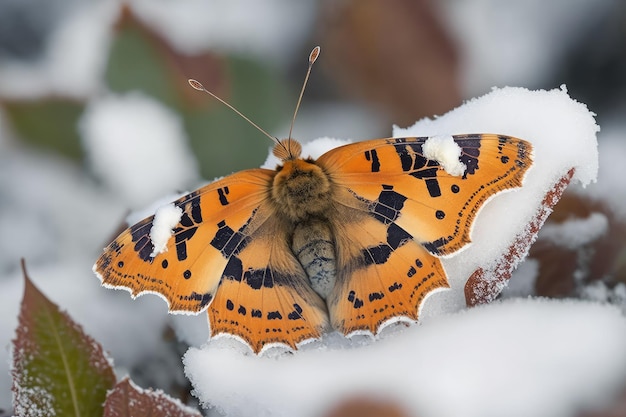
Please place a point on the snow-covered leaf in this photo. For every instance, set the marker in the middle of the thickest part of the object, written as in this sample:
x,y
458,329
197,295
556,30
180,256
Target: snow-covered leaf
x,y
128,400
57,368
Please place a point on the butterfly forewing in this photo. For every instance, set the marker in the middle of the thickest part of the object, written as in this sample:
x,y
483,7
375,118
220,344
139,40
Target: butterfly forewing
x,y
436,208
187,273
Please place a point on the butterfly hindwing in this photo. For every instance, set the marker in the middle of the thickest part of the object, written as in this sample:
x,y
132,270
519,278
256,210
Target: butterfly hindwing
x,y
265,296
436,208
383,274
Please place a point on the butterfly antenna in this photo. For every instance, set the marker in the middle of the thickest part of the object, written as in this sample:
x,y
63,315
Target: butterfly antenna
x,y
198,86
312,58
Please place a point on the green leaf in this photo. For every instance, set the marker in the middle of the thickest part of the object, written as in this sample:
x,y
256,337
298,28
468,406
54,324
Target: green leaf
x,y
140,60
49,123
222,141
128,400
57,368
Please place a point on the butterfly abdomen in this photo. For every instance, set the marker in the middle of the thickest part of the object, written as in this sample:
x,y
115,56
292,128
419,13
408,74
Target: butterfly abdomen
x,y
314,246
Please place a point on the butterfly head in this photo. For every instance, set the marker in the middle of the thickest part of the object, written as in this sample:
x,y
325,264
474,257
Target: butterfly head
x,y
287,149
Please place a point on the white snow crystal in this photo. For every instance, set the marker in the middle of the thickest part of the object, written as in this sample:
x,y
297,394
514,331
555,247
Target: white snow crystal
x,y
574,233
165,218
446,152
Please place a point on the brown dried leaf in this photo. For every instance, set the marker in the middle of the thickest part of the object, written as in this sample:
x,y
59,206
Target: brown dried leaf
x,y
483,286
600,259
128,400
397,54
366,407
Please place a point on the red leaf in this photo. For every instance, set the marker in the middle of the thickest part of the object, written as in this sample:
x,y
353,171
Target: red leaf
x,y
127,400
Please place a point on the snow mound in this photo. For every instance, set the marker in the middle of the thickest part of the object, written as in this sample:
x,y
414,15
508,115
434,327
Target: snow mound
x,y
516,358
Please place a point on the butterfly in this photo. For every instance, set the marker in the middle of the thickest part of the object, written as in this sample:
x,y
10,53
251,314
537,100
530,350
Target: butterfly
x,y
350,241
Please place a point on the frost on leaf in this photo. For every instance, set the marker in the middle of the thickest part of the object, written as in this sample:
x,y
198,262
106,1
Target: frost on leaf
x,y
58,370
483,286
127,400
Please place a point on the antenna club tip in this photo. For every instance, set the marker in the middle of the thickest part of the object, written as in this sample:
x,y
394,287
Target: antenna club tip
x,y
195,84
314,54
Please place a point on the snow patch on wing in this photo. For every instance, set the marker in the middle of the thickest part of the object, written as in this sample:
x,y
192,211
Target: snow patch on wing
x,y
446,152
165,219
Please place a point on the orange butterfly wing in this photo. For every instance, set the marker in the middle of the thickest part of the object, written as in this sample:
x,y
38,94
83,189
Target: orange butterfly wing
x,y
383,274
213,258
265,296
393,197
436,208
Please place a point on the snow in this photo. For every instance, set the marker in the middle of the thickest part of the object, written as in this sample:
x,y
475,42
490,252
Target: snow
x,y
446,152
518,43
608,190
139,214
165,219
598,291
522,282
516,358
137,146
574,233
74,63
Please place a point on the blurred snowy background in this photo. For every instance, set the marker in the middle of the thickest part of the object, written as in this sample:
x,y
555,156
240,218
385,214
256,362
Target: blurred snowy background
x,y
97,119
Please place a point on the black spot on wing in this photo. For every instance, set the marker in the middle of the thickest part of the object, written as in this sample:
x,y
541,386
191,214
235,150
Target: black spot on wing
x,y
432,185
258,278
433,247
222,193
274,315
234,269
140,234
376,296
470,151
296,313
204,299
379,254
388,205
372,156
410,154
228,241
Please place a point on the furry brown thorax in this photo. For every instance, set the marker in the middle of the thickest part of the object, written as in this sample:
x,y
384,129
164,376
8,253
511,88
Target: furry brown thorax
x,y
301,189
